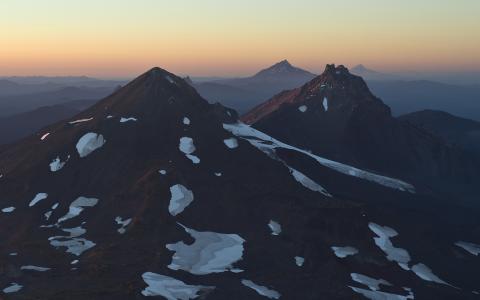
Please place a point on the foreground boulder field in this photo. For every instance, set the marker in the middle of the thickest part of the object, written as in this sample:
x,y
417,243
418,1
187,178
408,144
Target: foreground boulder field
x,y
153,192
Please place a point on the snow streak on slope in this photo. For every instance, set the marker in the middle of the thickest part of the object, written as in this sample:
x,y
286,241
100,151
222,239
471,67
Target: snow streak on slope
x,y
377,295
261,290
398,255
471,248
264,141
171,288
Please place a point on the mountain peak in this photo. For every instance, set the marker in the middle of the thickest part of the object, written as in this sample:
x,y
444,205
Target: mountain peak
x,y
156,94
360,68
282,68
331,69
336,89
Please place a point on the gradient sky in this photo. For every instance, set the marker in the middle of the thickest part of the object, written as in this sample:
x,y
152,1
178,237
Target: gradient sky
x,y
235,37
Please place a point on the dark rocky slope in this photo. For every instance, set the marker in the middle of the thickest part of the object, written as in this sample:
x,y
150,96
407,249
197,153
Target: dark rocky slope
x,y
136,196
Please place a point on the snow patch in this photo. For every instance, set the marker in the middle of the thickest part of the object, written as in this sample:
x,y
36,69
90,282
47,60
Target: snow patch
x,y
275,227
299,261
211,252
307,182
377,295
13,288
267,144
39,197
163,172
186,146
130,119
34,268
171,288
186,121
343,252
44,136
426,273
57,164
231,143
73,242
80,121
302,108
170,79
8,209
472,248
77,206
123,224
180,199
261,290
372,283
384,233
89,143
325,103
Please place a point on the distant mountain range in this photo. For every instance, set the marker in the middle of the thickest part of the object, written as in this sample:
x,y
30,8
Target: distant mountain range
x,y
457,131
15,104
244,93
402,93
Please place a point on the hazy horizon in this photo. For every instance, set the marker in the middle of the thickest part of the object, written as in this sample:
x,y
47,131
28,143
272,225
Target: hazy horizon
x,y
119,39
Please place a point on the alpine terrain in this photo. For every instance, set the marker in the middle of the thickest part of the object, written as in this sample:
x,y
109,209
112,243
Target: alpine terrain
x,y
335,115
154,192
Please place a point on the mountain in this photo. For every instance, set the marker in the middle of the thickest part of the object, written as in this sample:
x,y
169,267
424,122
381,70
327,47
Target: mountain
x,y
282,69
335,115
244,93
12,88
10,105
410,96
369,74
155,192
63,81
457,131
240,99
18,126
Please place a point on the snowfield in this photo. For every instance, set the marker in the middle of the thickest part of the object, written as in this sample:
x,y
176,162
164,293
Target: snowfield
x,y
211,252
89,143
267,144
